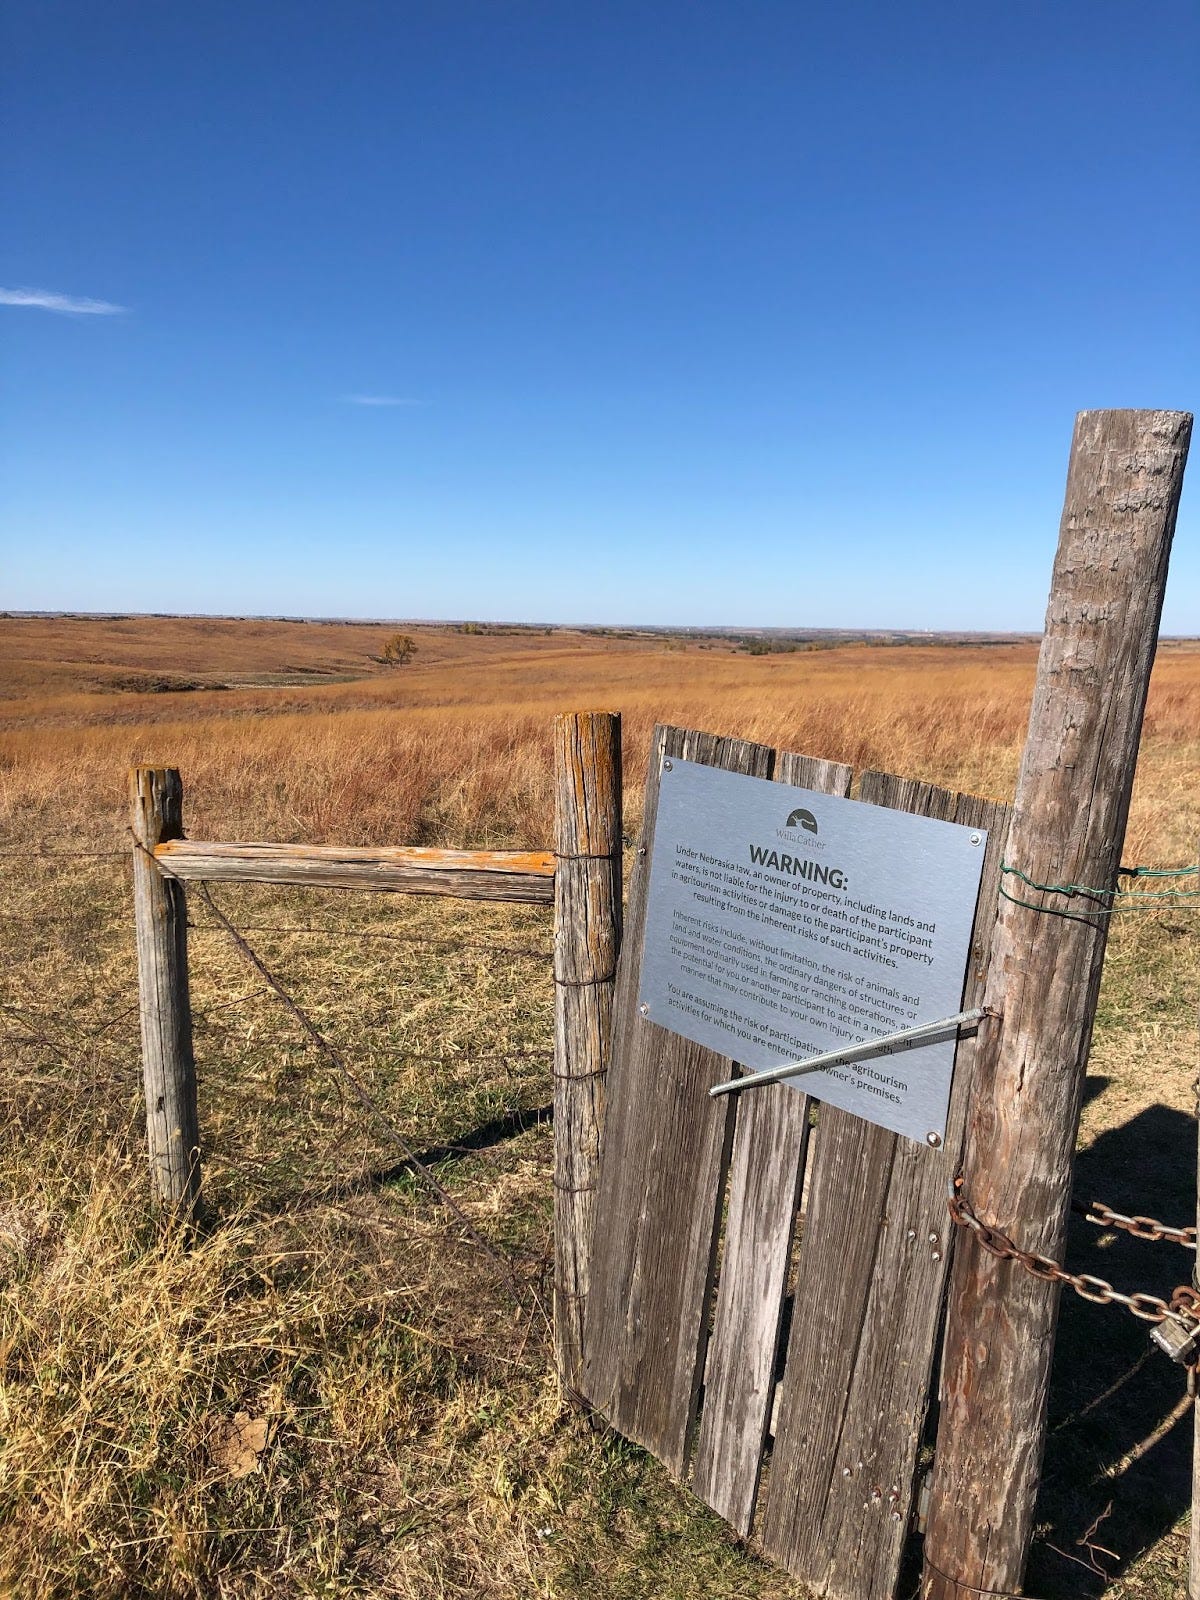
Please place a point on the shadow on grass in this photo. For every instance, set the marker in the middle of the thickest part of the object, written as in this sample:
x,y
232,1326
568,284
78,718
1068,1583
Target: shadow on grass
x,y
1118,1463
487,1136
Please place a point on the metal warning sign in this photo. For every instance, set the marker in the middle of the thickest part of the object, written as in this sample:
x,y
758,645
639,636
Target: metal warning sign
x,y
782,924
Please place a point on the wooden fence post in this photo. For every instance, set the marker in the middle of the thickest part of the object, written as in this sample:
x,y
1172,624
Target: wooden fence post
x,y
168,1069
1068,826
587,941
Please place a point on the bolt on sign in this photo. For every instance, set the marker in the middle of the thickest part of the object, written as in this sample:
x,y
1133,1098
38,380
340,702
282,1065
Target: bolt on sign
x,y
782,924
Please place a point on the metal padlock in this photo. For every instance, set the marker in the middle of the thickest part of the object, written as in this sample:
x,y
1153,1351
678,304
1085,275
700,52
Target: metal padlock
x,y
1181,1340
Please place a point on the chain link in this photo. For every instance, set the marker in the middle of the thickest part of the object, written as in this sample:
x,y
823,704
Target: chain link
x,y
1184,1306
1140,1227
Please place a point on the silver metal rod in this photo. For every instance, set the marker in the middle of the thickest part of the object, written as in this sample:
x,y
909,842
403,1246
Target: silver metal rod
x,y
852,1052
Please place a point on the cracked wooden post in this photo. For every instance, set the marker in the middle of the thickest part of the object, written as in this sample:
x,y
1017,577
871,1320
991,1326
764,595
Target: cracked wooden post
x,y
168,1069
587,940
1068,826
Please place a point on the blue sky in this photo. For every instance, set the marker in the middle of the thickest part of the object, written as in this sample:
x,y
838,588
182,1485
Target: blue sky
x,y
747,313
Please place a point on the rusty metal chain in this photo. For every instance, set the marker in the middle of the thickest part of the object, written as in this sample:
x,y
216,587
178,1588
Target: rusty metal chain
x,y
1184,1305
1140,1227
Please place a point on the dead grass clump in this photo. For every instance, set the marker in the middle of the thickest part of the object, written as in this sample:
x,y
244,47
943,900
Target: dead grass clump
x,y
174,1419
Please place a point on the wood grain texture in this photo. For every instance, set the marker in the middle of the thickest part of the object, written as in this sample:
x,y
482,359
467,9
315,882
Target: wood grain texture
x,y
587,943
520,875
1044,973
168,1067
764,1187
664,1156
871,1280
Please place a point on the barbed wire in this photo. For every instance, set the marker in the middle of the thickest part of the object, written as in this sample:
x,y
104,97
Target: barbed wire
x,y
52,919
359,1090
31,1011
371,933
69,919
62,855
202,1012
445,1059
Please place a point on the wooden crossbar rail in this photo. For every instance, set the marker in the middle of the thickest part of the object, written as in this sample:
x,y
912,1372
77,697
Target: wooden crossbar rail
x,y
580,878
518,875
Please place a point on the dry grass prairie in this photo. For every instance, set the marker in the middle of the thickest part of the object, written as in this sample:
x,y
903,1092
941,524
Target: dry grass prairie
x,y
335,1393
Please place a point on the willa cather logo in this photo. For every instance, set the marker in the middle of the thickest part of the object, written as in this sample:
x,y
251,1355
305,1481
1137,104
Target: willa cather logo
x,y
802,819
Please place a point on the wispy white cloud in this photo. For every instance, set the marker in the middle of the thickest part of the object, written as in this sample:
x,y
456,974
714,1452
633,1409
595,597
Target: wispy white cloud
x,y
47,300
379,400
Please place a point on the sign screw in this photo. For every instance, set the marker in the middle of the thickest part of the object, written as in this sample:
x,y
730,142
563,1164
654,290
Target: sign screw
x,y
934,1139
976,838
644,1009
667,767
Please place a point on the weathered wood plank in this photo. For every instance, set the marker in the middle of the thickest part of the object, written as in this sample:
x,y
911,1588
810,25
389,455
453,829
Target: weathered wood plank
x,y
872,1271
663,1162
764,1185
521,875
1068,826
587,942
168,1067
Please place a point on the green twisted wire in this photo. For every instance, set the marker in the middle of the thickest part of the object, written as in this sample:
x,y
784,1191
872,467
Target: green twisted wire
x,y
1133,899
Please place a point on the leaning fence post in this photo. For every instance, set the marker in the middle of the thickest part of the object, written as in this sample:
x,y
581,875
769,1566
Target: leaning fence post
x,y
1068,827
168,1069
587,939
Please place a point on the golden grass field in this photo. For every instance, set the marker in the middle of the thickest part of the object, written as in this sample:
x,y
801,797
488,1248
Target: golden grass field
x,y
402,1432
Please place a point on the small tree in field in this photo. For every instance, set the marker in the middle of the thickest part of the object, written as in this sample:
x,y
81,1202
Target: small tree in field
x,y
398,650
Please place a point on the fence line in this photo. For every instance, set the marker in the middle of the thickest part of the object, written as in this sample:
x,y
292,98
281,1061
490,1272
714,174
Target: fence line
x,y
396,938
581,877
63,855
368,1102
322,932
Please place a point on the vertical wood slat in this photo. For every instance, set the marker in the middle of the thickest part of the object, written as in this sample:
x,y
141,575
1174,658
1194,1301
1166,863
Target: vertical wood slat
x,y
665,1152
1072,800
168,1068
764,1184
587,941
871,1279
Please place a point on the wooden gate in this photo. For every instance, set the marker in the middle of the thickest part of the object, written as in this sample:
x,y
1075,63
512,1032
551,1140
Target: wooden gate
x,y
768,1279
767,1276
